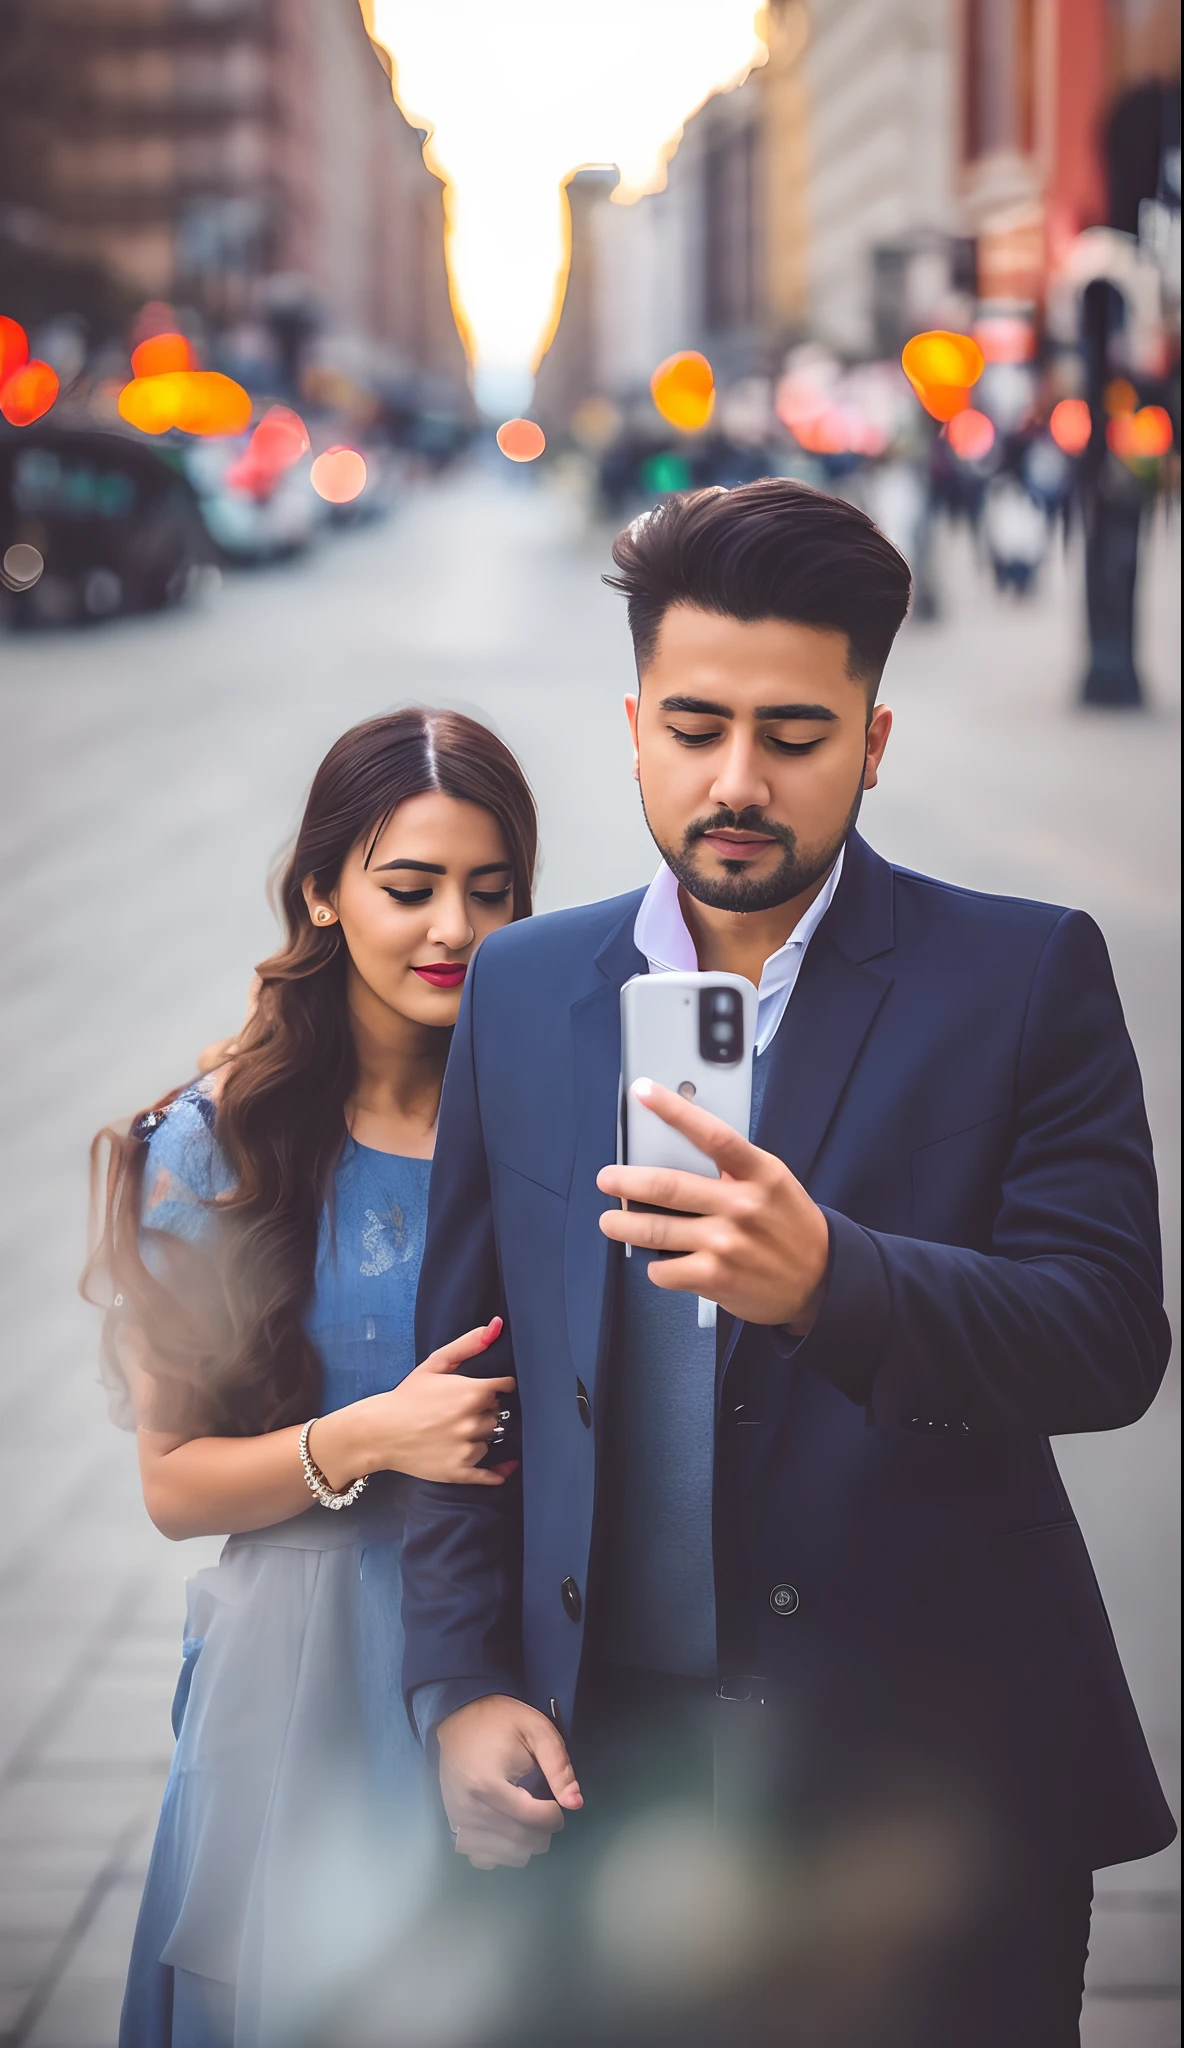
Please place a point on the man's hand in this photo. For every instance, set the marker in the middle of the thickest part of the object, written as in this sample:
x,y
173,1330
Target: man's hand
x,y
753,1240
485,1749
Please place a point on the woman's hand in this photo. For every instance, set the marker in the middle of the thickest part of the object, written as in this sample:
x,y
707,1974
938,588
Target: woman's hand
x,y
436,1424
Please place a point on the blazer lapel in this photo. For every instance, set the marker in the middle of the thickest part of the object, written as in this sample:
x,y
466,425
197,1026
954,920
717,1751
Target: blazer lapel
x,y
596,1032
830,1014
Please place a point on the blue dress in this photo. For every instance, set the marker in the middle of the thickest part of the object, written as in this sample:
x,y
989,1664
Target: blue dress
x,y
294,1837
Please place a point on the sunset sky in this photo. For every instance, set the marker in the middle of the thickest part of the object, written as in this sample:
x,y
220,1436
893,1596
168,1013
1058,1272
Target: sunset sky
x,y
518,93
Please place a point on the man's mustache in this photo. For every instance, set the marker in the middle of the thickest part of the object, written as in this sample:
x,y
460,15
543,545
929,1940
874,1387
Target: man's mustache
x,y
750,820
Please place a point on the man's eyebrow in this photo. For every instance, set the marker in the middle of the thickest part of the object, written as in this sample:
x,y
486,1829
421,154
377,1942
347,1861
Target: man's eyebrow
x,y
421,867
699,704
770,712
767,713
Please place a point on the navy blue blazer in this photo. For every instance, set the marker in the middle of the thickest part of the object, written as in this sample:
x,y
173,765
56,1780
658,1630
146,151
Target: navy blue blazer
x,y
895,1551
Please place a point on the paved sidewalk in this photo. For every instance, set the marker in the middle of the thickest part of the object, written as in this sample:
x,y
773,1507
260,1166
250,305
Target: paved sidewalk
x,y
154,767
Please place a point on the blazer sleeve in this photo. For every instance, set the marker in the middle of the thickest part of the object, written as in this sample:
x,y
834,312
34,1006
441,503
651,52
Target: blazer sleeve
x,y
1060,1326
462,1546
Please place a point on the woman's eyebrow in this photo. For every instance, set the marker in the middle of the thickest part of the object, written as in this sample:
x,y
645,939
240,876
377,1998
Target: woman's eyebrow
x,y
421,867
491,867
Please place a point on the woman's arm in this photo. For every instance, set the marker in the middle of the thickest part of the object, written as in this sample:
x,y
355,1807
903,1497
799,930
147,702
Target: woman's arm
x,y
435,1425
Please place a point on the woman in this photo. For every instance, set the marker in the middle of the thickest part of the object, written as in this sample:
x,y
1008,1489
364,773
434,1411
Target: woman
x,y
263,1234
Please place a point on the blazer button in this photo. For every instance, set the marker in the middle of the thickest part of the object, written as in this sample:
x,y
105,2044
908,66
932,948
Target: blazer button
x,y
583,1404
569,1593
784,1600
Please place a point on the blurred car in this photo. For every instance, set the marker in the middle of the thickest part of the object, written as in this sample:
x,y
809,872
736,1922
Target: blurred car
x,y
251,526
114,521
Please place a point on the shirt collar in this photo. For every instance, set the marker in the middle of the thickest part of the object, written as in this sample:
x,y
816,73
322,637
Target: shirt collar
x,y
660,931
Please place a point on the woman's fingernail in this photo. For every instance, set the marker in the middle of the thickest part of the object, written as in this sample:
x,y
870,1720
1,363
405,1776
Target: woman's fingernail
x,y
643,1088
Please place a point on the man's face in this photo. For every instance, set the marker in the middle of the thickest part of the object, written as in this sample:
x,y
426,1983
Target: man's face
x,y
752,747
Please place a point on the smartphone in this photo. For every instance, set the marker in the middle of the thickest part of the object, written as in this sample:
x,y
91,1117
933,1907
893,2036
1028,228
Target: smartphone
x,y
695,1033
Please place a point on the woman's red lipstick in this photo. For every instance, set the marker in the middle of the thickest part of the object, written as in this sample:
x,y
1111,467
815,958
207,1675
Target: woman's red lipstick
x,y
442,975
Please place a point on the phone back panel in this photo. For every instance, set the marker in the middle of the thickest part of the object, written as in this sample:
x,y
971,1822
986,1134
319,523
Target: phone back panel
x,y
660,1038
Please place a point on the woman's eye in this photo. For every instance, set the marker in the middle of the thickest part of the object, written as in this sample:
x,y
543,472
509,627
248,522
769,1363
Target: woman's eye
x,y
492,897
409,895
692,739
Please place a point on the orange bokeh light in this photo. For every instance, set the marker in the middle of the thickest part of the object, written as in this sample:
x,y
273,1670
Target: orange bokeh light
x,y
339,475
971,435
941,367
202,402
1070,426
1120,396
160,353
14,347
521,440
28,392
683,390
1139,436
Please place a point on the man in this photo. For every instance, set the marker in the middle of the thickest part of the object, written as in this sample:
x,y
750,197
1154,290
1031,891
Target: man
x,y
817,1565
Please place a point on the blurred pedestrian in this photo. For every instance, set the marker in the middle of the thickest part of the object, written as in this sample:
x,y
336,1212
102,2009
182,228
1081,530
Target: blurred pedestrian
x,y
262,1241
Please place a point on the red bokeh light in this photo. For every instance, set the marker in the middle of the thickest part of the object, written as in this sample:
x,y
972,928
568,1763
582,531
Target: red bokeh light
x,y
161,353
339,475
521,440
971,435
279,440
28,392
14,347
1070,426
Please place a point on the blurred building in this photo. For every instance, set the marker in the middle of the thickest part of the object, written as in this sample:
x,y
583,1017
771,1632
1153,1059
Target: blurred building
x,y
1065,122
235,156
890,167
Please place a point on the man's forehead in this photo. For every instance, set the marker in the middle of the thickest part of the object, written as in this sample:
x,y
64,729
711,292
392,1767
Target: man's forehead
x,y
749,663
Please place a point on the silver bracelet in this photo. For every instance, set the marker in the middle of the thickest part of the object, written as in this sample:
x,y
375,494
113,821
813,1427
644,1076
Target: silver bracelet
x,y
317,1483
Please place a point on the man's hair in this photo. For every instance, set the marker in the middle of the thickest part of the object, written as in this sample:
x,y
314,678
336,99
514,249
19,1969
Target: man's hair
x,y
769,550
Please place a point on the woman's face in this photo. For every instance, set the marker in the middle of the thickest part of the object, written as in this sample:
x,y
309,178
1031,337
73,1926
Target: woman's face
x,y
436,882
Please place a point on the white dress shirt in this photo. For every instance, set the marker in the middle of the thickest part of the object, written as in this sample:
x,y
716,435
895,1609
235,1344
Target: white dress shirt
x,y
660,932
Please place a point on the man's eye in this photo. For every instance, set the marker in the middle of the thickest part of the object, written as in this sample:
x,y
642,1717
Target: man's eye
x,y
692,739
793,746
409,895
491,896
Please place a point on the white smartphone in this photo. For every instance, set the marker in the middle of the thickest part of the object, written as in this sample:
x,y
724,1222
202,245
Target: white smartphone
x,y
694,1033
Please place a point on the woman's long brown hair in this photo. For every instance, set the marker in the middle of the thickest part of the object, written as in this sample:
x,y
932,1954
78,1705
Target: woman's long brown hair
x,y
220,1327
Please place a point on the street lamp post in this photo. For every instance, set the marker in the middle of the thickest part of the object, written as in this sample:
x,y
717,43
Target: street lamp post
x,y
1112,509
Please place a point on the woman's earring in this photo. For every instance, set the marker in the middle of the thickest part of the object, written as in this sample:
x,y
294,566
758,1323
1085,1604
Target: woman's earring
x,y
324,916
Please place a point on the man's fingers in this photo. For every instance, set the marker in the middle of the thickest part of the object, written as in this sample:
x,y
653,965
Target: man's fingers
x,y
503,1801
696,1194
471,1345
654,1233
550,1754
731,1153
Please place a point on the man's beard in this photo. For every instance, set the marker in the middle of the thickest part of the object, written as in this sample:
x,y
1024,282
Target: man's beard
x,y
796,871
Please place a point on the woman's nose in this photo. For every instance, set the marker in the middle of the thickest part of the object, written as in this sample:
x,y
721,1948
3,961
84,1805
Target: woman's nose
x,y
452,927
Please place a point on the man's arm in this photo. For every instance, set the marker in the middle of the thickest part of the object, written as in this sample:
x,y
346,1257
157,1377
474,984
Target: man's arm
x,y
1059,1328
462,1547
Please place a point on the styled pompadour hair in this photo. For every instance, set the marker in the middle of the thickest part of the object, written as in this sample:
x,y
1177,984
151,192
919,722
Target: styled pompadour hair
x,y
770,550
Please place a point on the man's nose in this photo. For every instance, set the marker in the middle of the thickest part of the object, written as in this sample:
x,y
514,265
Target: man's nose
x,y
741,781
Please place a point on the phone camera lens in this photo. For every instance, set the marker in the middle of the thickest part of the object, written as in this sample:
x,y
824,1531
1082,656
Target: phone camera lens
x,y
721,1026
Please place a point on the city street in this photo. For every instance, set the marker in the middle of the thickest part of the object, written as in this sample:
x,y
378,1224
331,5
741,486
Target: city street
x,y
154,767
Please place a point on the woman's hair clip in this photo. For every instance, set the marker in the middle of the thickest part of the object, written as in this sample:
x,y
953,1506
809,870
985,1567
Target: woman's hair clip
x,y
149,1120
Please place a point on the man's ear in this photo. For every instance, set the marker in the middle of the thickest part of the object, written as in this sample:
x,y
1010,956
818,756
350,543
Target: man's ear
x,y
877,739
631,704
